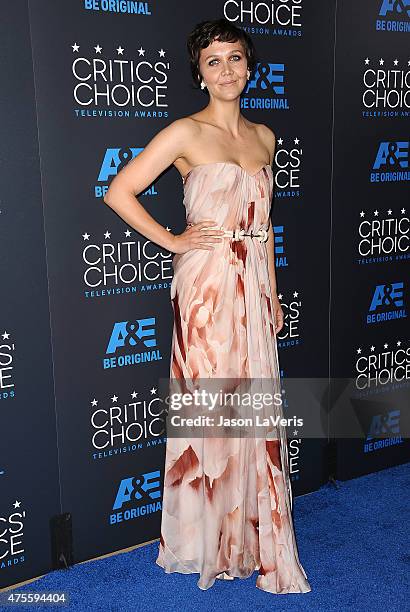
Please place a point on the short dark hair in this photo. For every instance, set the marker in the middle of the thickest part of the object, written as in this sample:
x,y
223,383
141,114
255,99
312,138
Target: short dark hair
x,y
205,32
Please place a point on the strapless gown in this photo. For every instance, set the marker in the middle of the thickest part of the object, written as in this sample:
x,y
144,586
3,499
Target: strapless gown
x,y
227,502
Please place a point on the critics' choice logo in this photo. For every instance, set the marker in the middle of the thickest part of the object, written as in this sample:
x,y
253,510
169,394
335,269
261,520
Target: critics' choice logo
x,y
114,160
270,18
382,237
119,6
7,349
376,368
387,303
132,343
394,16
382,425
127,426
137,496
114,267
289,335
266,90
392,162
119,83
12,551
386,89
288,161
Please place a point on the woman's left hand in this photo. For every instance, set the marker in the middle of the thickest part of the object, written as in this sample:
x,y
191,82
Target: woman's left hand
x,y
278,315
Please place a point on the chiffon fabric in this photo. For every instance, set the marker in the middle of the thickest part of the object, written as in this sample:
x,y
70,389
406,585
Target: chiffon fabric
x,y
227,502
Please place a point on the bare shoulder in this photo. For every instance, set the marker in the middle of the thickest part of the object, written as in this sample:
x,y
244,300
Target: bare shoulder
x,y
267,135
173,141
182,129
262,129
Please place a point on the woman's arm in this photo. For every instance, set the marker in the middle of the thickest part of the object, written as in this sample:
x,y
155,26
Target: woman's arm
x,y
270,247
140,172
270,140
277,308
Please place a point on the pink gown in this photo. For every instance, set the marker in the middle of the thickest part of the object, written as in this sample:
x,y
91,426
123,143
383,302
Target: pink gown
x,y
227,502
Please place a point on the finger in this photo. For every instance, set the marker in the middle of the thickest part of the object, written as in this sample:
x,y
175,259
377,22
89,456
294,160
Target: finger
x,y
205,222
204,238
207,228
211,232
208,240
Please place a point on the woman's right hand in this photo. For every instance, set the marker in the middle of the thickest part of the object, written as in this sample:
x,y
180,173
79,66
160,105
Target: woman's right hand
x,y
197,237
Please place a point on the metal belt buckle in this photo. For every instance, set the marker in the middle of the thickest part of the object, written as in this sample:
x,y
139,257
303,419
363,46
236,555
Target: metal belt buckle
x,y
238,234
262,235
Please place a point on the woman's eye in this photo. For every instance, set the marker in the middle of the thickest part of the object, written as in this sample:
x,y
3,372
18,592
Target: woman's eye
x,y
215,60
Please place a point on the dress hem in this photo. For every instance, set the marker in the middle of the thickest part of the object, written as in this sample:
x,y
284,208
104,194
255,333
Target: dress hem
x,y
181,570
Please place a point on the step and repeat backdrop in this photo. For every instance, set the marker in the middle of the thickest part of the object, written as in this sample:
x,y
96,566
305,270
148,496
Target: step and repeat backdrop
x,y
369,331
86,319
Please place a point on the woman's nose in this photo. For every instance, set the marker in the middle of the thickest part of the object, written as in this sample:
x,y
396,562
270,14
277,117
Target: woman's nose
x,y
226,68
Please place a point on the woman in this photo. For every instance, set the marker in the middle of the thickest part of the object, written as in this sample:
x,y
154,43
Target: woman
x,y
227,501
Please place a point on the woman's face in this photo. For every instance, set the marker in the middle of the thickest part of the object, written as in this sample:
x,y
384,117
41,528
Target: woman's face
x,y
223,66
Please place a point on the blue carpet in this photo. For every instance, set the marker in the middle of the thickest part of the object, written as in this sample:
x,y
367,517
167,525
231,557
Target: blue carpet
x,y
353,543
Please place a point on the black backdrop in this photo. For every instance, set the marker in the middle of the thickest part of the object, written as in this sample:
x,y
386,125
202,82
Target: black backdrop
x,y
86,320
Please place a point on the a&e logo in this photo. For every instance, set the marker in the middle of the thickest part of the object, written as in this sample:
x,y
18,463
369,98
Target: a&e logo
x,y
266,90
130,337
382,424
391,163
141,496
394,16
387,303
